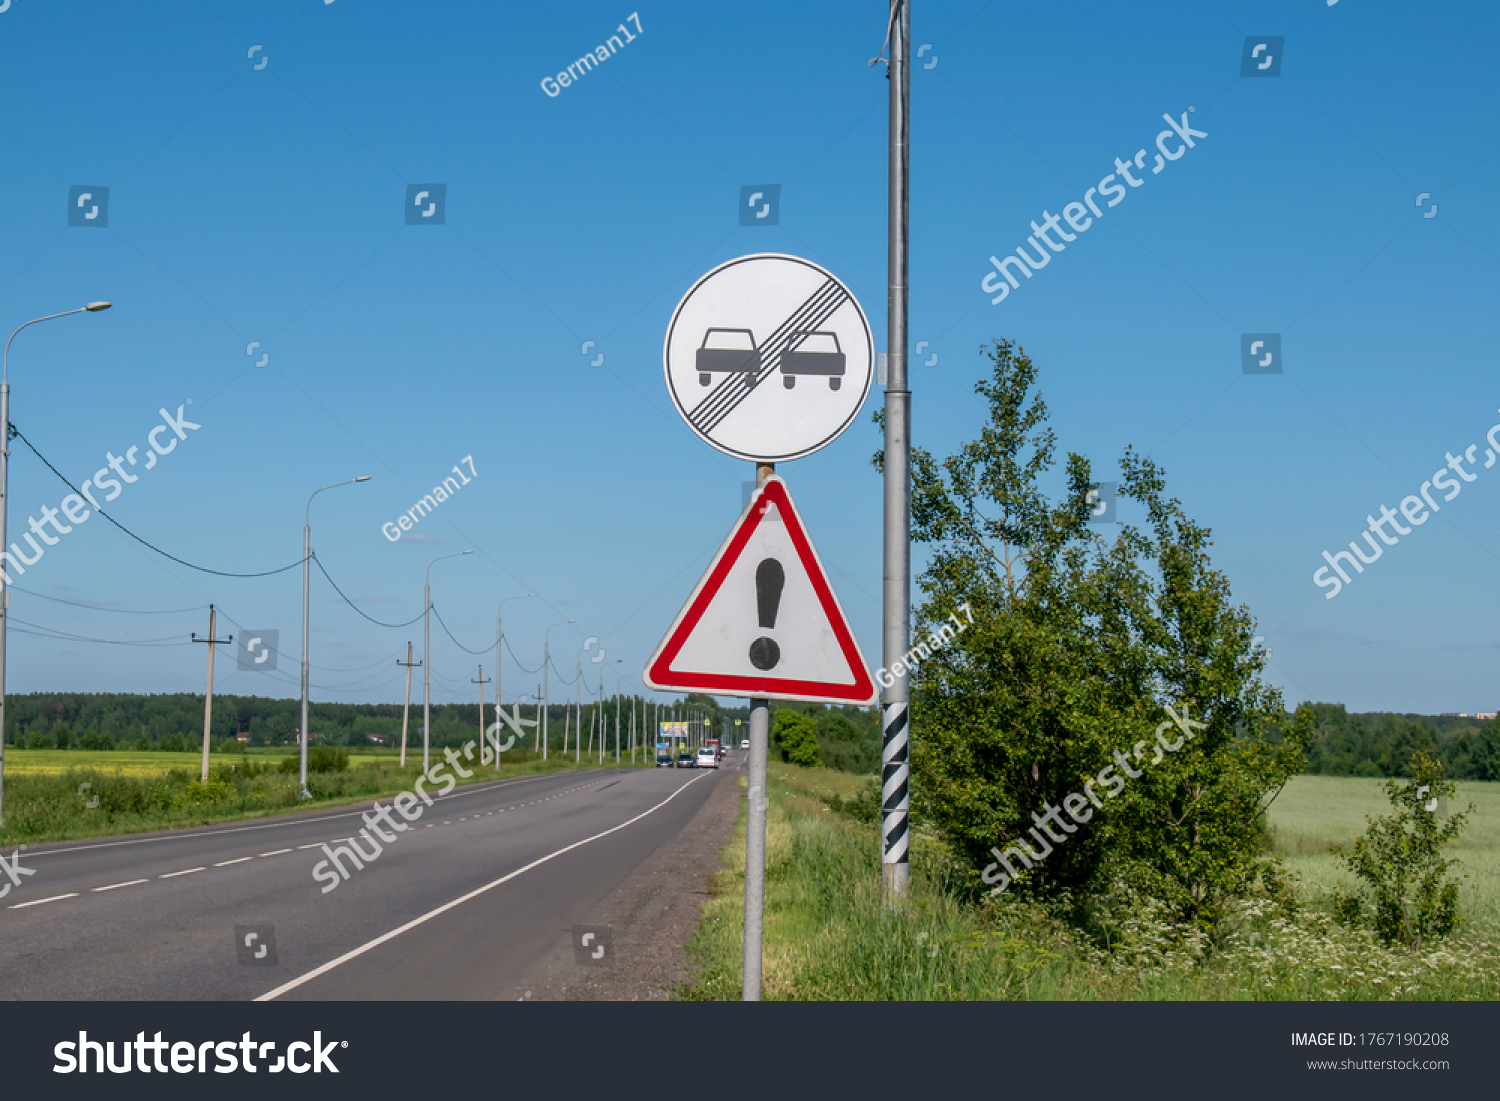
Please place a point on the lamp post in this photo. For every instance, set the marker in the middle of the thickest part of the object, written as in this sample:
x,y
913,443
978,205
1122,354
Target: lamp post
x,y
546,679
427,655
599,706
306,572
92,307
499,641
619,686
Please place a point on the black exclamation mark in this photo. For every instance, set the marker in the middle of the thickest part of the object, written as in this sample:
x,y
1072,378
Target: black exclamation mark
x,y
769,579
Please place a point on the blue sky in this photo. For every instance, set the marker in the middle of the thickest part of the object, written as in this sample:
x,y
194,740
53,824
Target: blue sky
x,y
266,204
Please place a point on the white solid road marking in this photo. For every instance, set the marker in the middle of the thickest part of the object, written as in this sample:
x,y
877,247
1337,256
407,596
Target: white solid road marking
x,y
362,949
38,902
112,886
186,871
226,863
277,852
319,845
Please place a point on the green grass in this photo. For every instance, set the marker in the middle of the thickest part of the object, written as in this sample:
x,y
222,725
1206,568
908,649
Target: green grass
x,y
830,935
47,799
1316,811
132,762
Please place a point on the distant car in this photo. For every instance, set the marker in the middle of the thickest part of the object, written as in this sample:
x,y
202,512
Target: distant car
x,y
684,760
744,743
707,758
663,761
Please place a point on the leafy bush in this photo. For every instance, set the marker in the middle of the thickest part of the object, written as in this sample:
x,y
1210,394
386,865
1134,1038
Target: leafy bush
x,y
320,758
1400,859
1073,646
795,737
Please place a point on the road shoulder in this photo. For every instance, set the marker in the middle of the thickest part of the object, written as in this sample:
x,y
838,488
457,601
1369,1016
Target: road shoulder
x,y
654,912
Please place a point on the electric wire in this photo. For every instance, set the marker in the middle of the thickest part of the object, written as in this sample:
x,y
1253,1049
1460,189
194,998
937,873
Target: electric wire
x,y
100,608
517,660
372,619
16,432
460,645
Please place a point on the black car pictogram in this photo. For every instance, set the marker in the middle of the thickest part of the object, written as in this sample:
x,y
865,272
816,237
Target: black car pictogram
x,y
727,358
796,360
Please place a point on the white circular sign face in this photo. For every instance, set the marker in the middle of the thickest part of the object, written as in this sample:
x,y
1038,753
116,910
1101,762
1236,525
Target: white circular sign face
x,y
768,357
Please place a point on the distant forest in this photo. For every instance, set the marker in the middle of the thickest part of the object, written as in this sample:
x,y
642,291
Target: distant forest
x,y
1369,744
848,737
1381,744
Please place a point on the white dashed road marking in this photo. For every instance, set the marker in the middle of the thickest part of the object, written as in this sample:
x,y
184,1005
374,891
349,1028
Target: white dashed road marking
x,y
38,902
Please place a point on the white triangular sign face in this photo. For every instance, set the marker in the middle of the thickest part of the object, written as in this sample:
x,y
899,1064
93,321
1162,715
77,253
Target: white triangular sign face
x,y
763,621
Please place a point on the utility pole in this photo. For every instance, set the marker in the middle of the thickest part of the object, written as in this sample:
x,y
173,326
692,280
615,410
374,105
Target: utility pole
x,y
896,628
482,682
578,688
406,707
208,698
538,745
755,824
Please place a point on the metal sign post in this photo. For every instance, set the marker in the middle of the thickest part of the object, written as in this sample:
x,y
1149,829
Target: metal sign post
x,y
763,622
896,635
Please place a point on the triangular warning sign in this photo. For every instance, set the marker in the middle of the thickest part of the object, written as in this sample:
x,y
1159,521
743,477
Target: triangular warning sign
x,y
763,621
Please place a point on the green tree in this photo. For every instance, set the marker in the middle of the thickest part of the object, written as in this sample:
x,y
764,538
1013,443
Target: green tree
x,y
795,737
1071,650
1400,858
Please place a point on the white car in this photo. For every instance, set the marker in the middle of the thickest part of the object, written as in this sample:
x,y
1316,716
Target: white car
x,y
706,758
745,743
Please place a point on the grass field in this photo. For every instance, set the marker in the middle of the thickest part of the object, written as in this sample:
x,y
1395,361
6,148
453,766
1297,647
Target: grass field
x,y
57,795
829,934
1316,811
130,762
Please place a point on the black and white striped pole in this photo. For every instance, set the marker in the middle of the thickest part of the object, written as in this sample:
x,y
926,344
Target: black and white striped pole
x,y
895,712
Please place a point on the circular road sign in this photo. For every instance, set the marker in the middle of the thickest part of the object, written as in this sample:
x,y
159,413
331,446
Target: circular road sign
x,y
768,357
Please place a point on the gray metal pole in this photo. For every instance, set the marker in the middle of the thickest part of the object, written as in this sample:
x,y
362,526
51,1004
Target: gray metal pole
x,y
755,827
426,668
92,307
4,593
306,567
546,691
895,772
306,571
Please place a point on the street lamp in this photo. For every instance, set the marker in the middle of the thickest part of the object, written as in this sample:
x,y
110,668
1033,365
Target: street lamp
x,y
546,687
306,571
92,307
499,640
427,656
619,685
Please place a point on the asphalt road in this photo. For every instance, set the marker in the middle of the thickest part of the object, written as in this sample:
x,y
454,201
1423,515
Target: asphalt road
x,y
461,905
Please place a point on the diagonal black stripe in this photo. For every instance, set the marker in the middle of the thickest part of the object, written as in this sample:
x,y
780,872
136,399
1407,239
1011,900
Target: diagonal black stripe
x,y
733,390
782,339
738,381
893,803
727,396
897,725
892,838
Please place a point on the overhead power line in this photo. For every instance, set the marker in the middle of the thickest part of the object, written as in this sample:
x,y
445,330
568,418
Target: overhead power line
x,y
16,432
